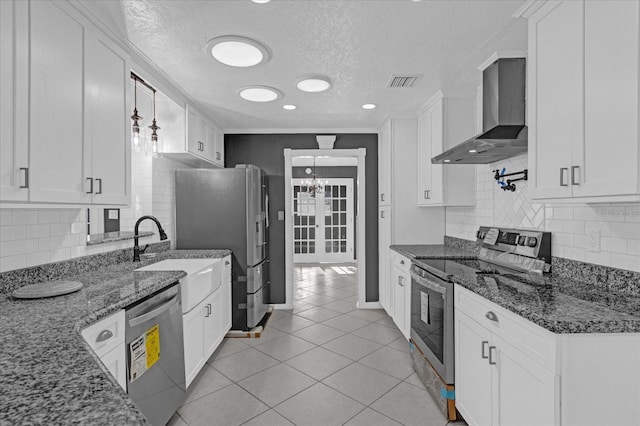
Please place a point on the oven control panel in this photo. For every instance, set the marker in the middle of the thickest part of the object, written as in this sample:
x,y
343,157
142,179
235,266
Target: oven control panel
x,y
534,244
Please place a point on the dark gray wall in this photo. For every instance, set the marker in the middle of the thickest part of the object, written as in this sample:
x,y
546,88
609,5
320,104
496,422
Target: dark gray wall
x,y
267,152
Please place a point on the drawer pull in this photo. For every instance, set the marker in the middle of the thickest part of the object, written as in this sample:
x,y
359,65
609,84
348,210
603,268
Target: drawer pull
x,y
491,361
492,316
104,335
484,355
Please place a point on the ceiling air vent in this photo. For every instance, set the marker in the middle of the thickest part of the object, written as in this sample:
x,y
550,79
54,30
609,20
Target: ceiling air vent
x,y
399,81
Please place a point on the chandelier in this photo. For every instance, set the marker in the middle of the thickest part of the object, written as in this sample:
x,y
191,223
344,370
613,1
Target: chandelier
x,y
313,186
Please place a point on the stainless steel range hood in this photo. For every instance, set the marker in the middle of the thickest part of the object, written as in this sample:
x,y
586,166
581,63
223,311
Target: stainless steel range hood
x,y
503,111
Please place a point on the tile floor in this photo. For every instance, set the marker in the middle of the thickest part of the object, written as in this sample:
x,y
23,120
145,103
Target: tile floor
x,y
323,363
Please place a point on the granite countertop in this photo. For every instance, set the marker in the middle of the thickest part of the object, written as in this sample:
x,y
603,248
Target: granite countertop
x,y
557,302
48,372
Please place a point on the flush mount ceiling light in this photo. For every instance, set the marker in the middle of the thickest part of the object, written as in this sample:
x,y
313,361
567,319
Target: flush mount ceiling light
x,y
238,51
289,107
259,93
261,1
314,83
369,106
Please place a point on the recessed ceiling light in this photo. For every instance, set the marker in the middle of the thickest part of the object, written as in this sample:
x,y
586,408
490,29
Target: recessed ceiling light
x,y
289,107
473,150
259,93
261,1
314,83
447,161
238,51
369,106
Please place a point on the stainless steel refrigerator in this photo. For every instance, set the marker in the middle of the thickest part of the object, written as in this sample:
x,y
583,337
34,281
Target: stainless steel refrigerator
x,y
227,208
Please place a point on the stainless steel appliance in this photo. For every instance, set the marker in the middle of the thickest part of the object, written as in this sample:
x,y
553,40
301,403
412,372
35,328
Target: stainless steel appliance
x,y
499,251
503,117
155,354
227,208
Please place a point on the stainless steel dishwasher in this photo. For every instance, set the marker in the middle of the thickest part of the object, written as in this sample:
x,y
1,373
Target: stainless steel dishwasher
x,y
155,354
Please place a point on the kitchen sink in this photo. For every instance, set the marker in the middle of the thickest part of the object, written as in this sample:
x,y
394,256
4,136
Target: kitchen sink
x,y
203,278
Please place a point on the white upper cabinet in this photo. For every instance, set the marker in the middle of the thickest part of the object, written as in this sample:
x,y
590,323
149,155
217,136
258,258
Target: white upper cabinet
x,y
199,147
444,122
69,91
583,101
14,161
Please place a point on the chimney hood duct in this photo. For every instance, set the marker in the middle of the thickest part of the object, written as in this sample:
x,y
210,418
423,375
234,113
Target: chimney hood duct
x,y
503,114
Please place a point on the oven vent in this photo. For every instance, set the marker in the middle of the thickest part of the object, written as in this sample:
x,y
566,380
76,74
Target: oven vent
x,y
402,81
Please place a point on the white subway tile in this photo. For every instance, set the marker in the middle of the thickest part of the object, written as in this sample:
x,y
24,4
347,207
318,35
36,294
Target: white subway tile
x,y
25,217
611,213
59,229
37,231
584,213
73,215
557,250
49,243
581,241
553,225
78,228
563,213
575,253
562,239
11,263
25,246
6,248
633,248
77,251
71,240
12,232
625,261
37,258
573,227
6,217
49,216
613,245
60,254
601,258
626,230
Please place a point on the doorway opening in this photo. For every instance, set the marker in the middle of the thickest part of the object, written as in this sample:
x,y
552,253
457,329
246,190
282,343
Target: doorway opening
x,y
329,226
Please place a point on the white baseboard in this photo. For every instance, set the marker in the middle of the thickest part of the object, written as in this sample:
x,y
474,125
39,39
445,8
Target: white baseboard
x,y
369,305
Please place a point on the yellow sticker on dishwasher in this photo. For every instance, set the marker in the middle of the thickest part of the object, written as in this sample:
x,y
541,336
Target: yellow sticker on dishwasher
x,y
152,343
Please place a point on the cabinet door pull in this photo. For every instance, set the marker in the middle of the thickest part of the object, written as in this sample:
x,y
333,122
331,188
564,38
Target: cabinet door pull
x,y
426,194
400,281
208,307
484,355
491,361
26,177
492,316
99,183
104,335
562,170
382,214
90,191
381,197
218,155
573,175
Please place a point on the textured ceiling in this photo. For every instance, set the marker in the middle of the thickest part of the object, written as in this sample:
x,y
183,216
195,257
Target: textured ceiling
x,y
358,44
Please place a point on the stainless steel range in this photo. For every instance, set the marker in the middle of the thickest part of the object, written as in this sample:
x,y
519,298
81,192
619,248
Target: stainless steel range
x,y
499,251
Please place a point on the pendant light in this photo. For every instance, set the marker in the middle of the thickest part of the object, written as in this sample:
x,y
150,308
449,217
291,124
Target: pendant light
x,y
313,186
135,128
154,127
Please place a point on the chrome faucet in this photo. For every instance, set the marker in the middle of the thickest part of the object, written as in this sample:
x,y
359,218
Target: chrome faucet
x,y
137,250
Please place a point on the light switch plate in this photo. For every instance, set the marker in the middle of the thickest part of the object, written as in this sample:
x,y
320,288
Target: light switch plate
x,y
593,241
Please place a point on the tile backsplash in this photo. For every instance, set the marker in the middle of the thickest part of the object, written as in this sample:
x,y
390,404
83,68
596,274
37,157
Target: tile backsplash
x,y
30,237
618,225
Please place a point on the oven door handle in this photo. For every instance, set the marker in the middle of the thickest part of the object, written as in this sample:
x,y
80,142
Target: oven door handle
x,y
428,283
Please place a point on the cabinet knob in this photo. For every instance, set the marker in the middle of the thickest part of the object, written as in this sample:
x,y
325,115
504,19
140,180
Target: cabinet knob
x,y
104,335
492,316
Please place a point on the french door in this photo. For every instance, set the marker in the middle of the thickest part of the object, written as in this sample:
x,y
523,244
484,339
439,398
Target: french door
x,y
323,227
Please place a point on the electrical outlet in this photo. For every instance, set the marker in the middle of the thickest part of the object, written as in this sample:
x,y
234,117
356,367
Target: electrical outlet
x,y
594,241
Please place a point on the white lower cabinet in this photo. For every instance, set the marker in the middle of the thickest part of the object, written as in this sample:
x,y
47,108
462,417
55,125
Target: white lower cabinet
x,y
510,371
401,285
385,288
206,324
106,339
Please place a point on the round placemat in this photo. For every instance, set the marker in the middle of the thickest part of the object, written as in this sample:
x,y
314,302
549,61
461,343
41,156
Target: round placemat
x,y
48,289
